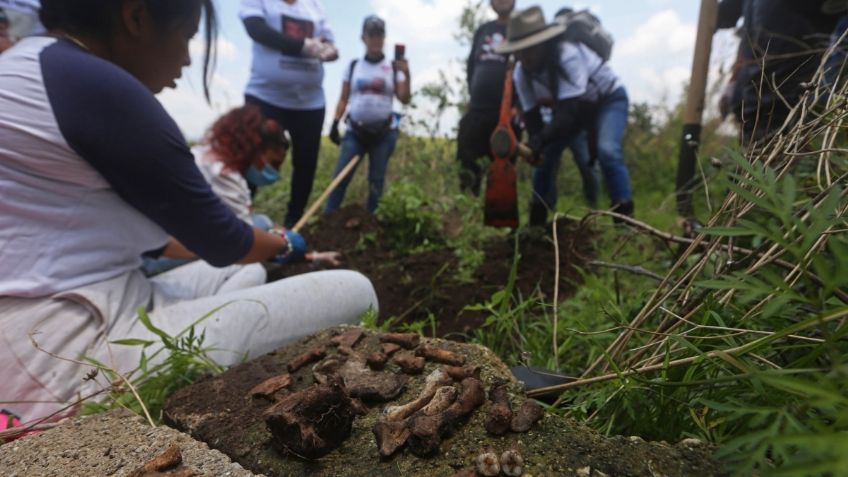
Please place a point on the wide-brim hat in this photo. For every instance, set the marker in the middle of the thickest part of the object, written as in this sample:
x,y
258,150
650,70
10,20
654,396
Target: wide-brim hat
x,y
528,28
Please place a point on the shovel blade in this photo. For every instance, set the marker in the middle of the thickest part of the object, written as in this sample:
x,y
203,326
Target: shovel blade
x,y
501,208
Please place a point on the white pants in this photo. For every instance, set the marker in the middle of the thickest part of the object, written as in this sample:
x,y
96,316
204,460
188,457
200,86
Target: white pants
x,y
249,318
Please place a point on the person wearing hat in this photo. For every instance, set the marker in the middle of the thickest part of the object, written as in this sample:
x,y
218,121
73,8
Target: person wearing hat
x,y
291,41
485,70
370,85
582,92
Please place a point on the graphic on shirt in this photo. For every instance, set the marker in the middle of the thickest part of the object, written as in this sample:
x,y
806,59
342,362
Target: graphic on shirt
x,y
488,46
298,27
371,86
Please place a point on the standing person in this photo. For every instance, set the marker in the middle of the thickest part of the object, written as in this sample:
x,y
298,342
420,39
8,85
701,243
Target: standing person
x,y
781,47
109,176
583,93
371,83
18,19
485,70
291,39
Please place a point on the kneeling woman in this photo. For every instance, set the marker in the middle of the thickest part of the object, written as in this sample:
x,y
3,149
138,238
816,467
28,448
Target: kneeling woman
x,y
370,86
93,172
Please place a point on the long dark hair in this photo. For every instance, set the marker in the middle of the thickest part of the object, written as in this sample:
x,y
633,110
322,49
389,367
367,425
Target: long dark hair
x,y
94,17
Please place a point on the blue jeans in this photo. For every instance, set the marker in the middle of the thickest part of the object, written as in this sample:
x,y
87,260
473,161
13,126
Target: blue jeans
x,y
607,135
378,163
545,175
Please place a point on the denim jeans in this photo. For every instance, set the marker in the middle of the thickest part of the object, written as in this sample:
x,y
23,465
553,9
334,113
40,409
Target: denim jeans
x,y
545,176
378,162
607,135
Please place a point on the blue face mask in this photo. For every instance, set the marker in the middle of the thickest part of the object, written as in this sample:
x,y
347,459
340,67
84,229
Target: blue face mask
x,y
267,176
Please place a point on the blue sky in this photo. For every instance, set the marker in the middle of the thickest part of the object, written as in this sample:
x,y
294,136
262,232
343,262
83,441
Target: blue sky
x,y
653,51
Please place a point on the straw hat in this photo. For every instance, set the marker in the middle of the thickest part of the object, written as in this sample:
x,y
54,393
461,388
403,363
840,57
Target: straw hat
x,y
528,28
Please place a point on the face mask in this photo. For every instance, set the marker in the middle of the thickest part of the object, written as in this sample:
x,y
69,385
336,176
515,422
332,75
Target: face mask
x,y
267,176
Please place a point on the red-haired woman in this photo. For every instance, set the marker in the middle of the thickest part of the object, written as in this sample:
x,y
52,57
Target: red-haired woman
x,y
241,149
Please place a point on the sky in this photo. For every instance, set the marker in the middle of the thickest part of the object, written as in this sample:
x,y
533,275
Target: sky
x,y
652,54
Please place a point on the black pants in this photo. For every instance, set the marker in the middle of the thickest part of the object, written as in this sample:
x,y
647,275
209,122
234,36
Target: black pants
x,y
304,127
475,130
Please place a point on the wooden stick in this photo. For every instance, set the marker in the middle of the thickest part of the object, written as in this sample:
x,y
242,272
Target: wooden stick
x,y
318,203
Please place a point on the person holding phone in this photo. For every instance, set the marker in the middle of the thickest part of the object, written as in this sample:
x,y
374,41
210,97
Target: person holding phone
x,y
368,90
291,41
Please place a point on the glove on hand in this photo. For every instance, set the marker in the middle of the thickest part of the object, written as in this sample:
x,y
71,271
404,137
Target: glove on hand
x,y
296,251
328,52
312,48
334,133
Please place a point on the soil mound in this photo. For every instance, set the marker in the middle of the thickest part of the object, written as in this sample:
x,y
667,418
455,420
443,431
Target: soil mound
x,y
414,286
230,413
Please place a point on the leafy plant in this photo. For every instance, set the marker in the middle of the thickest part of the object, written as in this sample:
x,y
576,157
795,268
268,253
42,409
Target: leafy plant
x,y
175,362
410,219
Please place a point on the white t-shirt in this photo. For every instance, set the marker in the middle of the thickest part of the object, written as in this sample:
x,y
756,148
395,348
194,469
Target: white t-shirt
x,y
372,89
582,75
285,81
230,186
23,18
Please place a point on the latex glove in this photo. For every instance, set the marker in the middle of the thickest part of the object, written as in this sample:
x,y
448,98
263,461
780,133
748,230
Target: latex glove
x,y
329,259
312,48
296,251
328,52
334,133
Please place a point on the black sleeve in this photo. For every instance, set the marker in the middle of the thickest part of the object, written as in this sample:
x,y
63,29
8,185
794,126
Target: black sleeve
x,y
261,33
114,123
729,12
563,121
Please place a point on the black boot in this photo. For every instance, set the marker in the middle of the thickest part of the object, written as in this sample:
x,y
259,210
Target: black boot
x,y
538,215
623,208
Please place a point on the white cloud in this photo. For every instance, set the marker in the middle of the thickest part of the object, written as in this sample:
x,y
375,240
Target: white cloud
x,y
425,24
663,33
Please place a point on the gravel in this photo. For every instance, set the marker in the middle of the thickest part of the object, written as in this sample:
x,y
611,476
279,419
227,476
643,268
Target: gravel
x,y
115,443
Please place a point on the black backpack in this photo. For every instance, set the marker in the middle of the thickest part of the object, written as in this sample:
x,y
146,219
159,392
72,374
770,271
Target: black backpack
x,y
584,27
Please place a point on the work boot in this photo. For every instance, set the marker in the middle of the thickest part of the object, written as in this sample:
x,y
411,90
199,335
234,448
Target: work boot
x,y
623,208
538,215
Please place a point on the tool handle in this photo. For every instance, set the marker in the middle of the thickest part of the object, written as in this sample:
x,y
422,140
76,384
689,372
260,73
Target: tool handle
x,y
524,151
320,201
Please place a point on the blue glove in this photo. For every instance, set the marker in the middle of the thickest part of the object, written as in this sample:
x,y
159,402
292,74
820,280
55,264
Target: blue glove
x,y
296,251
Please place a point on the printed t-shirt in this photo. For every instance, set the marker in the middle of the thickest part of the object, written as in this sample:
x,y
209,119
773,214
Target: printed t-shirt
x,y
285,81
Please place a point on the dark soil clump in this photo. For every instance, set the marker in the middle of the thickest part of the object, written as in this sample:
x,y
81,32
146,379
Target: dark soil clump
x,y
412,287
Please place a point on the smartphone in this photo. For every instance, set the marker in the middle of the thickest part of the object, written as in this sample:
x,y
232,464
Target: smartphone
x,y
400,51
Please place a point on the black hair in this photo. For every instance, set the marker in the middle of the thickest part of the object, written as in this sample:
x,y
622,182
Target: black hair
x,y
94,17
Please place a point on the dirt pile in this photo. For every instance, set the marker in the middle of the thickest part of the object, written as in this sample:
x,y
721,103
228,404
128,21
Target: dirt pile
x,y
413,286
435,427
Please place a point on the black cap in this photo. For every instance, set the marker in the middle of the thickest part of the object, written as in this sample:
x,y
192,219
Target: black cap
x,y
564,11
373,24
